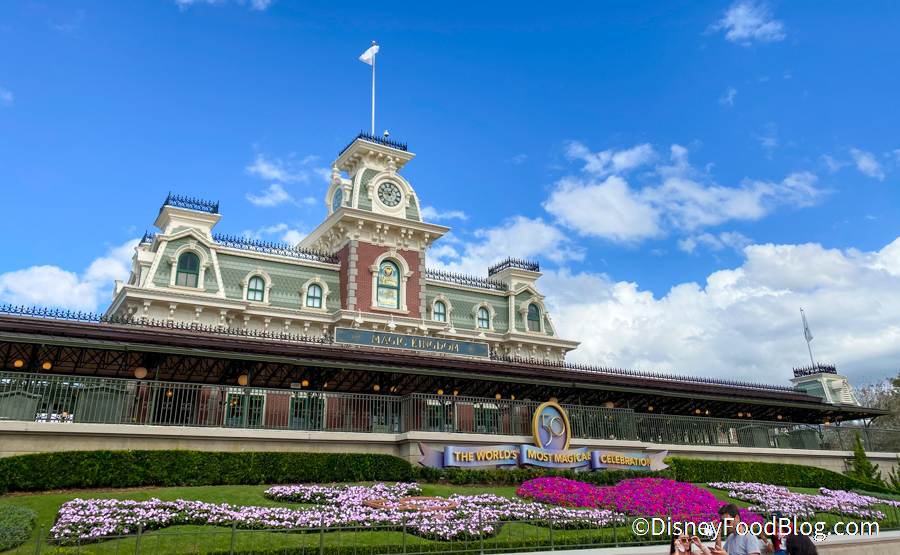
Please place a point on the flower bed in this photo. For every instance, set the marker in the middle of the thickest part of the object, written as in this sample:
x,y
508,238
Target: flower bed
x,y
335,506
645,497
767,499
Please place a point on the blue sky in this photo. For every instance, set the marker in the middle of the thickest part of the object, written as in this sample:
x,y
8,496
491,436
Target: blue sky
x,y
688,174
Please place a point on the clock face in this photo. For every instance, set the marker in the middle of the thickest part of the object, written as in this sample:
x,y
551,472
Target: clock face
x,y
389,194
337,200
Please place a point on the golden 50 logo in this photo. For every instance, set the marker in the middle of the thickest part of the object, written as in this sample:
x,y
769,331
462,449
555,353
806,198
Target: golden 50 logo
x,y
551,427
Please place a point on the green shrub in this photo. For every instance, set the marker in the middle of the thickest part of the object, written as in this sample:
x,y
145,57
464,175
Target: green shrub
x,y
878,495
16,525
119,469
776,474
515,476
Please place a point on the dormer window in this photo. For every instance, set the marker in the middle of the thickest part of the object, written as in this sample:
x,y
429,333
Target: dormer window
x,y
314,296
440,311
188,270
534,318
484,318
256,289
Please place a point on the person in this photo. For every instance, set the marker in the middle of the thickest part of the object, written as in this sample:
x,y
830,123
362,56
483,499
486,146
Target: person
x,y
735,543
681,545
776,539
798,544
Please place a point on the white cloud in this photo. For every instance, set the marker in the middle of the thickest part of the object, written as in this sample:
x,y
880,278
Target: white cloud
x,y
769,139
682,199
610,209
727,98
519,237
429,213
746,21
867,164
733,239
743,321
6,97
279,232
273,196
610,161
53,287
518,158
69,26
277,169
261,5
833,164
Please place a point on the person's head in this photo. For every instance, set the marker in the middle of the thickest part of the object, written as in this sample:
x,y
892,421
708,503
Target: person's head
x,y
684,542
776,517
798,544
730,515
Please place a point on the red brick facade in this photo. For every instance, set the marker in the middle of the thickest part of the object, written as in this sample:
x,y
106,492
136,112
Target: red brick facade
x,y
368,253
344,257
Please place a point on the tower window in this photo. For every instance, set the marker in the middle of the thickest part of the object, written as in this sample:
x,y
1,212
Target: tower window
x,y
188,270
440,312
484,318
314,296
256,289
388,295
534,318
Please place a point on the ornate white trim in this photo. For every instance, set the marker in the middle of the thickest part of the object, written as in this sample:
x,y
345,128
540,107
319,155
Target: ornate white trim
x,y
486,305
190,246
245,286
405,272
442,298
303,291
542,310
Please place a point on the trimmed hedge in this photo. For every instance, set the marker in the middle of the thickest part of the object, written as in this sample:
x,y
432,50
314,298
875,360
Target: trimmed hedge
x,y
776,474
121,469
16,525
515,476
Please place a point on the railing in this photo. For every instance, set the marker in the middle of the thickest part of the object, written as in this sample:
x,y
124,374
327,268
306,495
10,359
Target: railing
x,y
479,533
74,399
277,249
643,374
384,141
529,265
460,279
191,204
815,369
147,238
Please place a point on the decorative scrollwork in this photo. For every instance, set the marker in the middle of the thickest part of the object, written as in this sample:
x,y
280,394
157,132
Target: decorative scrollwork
x,y
277,249
377,140
529,265
460,279
191,204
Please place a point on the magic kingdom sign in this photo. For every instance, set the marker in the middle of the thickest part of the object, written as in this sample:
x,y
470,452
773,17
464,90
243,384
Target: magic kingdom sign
x,y
411,342
552,433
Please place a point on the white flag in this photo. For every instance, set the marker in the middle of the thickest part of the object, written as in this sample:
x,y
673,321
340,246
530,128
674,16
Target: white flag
x,y
369,55
806,331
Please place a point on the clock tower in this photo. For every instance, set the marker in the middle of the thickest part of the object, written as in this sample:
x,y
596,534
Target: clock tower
x,y
374,225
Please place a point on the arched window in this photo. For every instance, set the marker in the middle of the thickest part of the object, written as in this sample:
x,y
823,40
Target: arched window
x,y
484,318
256,289
440,312
388,295
534,318
314,296
188,270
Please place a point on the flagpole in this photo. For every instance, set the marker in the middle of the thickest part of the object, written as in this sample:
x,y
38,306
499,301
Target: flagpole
x,y
373,92
806,336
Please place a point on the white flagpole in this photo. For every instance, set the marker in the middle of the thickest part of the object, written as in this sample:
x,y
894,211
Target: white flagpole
x,y
806,335
373,92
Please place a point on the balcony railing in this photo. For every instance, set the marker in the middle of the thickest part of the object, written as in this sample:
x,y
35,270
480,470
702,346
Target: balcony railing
x,y
815,369
191,204
74,399
469,281
529,265
278,249
384,141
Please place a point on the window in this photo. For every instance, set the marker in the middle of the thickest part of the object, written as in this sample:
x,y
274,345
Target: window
x,y
484,318
256,289
188,270
388,295
440,312
314,296
534,318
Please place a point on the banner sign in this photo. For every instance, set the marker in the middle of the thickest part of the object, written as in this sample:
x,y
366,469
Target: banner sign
x,y
410,342
552,434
